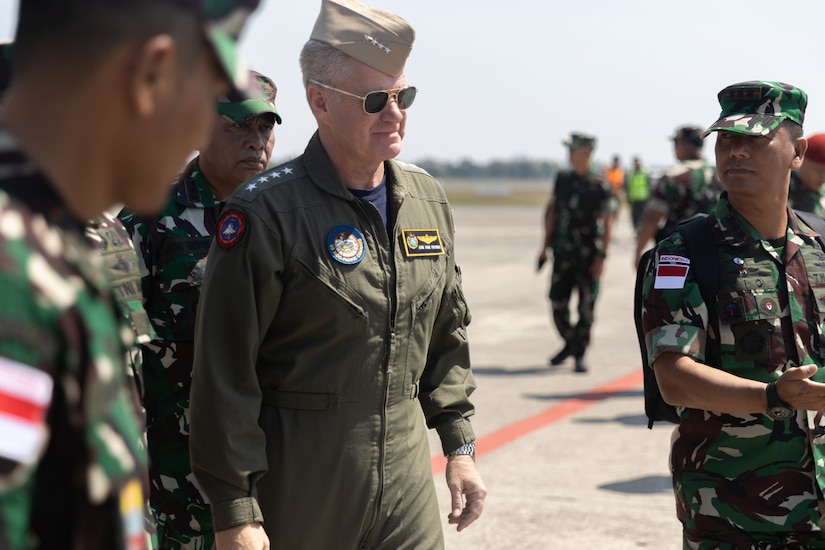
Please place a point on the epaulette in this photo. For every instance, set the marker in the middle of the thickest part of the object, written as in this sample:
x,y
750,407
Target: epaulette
x,y
407,167
267,179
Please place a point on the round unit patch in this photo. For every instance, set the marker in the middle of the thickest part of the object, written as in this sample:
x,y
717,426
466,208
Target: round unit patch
x,y
231,227
346,244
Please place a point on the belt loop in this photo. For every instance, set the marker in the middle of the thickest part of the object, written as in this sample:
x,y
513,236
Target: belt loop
x,y
414,390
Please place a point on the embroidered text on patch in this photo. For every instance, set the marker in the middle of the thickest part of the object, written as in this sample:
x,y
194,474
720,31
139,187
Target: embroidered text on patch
x,y
377,44
671,272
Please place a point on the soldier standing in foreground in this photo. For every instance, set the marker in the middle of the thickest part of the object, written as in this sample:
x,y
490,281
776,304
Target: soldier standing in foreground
x,y
173,248
129,109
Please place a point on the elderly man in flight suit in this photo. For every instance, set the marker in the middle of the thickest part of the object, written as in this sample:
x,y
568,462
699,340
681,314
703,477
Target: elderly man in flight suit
x,y
332,314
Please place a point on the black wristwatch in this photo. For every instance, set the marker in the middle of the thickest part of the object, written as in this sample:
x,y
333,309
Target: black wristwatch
x,y
777,409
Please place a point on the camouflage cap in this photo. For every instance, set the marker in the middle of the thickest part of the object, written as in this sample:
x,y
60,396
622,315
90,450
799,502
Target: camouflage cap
x,y
578,139
223,21
757,107
375,37
261,99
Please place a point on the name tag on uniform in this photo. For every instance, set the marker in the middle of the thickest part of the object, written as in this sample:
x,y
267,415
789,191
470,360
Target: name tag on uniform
x,y
422,242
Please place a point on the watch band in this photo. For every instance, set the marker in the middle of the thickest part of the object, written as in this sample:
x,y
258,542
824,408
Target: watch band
x,y
466,449
773,396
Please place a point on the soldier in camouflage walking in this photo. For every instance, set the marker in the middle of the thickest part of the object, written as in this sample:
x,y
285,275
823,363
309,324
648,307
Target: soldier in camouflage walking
x,y
70,461
578,222
689,188
173,248
748,455
807,189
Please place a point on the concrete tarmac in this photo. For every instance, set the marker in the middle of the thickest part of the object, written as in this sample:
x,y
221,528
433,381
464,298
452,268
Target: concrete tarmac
x,y
567,458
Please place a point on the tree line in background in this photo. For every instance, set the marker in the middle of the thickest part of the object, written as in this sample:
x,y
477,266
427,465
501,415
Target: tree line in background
x,y
498,169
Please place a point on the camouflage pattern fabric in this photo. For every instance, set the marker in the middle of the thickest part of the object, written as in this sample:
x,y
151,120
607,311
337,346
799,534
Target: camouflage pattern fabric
x,y
172,249
685,190
802,198
758,107
71,475
580,204
112,240
741,480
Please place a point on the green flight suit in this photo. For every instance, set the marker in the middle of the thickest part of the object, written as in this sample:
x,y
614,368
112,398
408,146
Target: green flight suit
x,y
319,341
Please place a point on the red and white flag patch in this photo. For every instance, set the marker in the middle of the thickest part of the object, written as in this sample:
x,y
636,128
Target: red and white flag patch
x,y
671,272
25,395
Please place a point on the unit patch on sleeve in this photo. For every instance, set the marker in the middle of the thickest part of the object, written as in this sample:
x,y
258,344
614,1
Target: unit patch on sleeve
x,y
671,272
422,242
231,227
25,396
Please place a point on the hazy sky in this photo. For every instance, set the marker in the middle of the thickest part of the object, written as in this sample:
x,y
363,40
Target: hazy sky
x,y
506,79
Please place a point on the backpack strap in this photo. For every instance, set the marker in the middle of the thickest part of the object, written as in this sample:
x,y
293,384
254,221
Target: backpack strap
x,y
814,222
704,257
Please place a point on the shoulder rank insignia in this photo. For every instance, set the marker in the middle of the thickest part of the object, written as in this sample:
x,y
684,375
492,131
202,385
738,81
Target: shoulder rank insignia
x,y
422,242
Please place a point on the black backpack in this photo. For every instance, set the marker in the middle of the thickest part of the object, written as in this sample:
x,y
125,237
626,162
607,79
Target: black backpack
x,y
700,247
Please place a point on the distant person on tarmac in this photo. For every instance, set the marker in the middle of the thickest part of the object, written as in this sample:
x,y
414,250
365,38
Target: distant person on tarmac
x,y
637,188
578,222
744,365
807,189
689,188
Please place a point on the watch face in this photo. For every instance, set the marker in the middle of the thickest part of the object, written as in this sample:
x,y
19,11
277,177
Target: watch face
x,y
779,413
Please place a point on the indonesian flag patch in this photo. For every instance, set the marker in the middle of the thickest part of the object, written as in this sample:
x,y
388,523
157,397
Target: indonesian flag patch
x,y
671,272
25,396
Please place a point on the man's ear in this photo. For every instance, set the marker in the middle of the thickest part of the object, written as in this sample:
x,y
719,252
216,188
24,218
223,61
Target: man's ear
x,y
317,101
152,73
800,147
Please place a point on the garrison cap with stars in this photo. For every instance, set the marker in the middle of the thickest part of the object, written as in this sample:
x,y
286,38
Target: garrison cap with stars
x,y
375,37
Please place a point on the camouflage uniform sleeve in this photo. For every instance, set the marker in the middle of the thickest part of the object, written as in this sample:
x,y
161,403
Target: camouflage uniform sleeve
x,y
447,381
674,316
141,240
659,200
239,298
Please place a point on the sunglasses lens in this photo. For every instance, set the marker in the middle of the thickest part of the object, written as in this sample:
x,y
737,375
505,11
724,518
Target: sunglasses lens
x,y
375,101
406,97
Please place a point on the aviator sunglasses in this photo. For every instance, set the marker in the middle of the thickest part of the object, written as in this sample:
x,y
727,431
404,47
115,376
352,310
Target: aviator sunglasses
x,y
374,102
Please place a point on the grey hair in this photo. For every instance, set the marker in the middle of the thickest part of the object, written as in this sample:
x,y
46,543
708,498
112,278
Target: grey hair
x,y
321,62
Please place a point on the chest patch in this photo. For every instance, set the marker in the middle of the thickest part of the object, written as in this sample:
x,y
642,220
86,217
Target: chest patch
x,y
346,244
671,272
422,242
231,227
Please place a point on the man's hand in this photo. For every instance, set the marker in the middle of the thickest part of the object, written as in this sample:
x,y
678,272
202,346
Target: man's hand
x,y
795,388
250,536
464,482
542,260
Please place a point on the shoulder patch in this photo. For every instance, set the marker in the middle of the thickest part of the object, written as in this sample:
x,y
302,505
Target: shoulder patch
x,y
25,396
671,271
231,228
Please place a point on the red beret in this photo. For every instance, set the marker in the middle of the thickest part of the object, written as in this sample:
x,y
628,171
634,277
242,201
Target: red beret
x,y
816,149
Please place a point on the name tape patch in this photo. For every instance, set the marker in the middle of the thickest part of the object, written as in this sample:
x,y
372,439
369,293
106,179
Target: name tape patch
x,y
422,242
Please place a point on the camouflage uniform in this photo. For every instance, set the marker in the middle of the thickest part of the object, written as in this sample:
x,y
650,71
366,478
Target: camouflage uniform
x,y
70,476
802,198
110,237
172,249
580,203
689,188
740,479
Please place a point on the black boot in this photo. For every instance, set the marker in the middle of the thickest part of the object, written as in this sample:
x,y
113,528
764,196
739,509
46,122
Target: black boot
x,y
581,364
559,358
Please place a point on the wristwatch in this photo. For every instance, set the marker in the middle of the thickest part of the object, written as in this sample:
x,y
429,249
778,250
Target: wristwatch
x,y
466,449
777,409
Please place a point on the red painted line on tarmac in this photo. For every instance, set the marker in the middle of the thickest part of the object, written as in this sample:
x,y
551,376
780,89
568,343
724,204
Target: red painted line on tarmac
x,y
503,436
